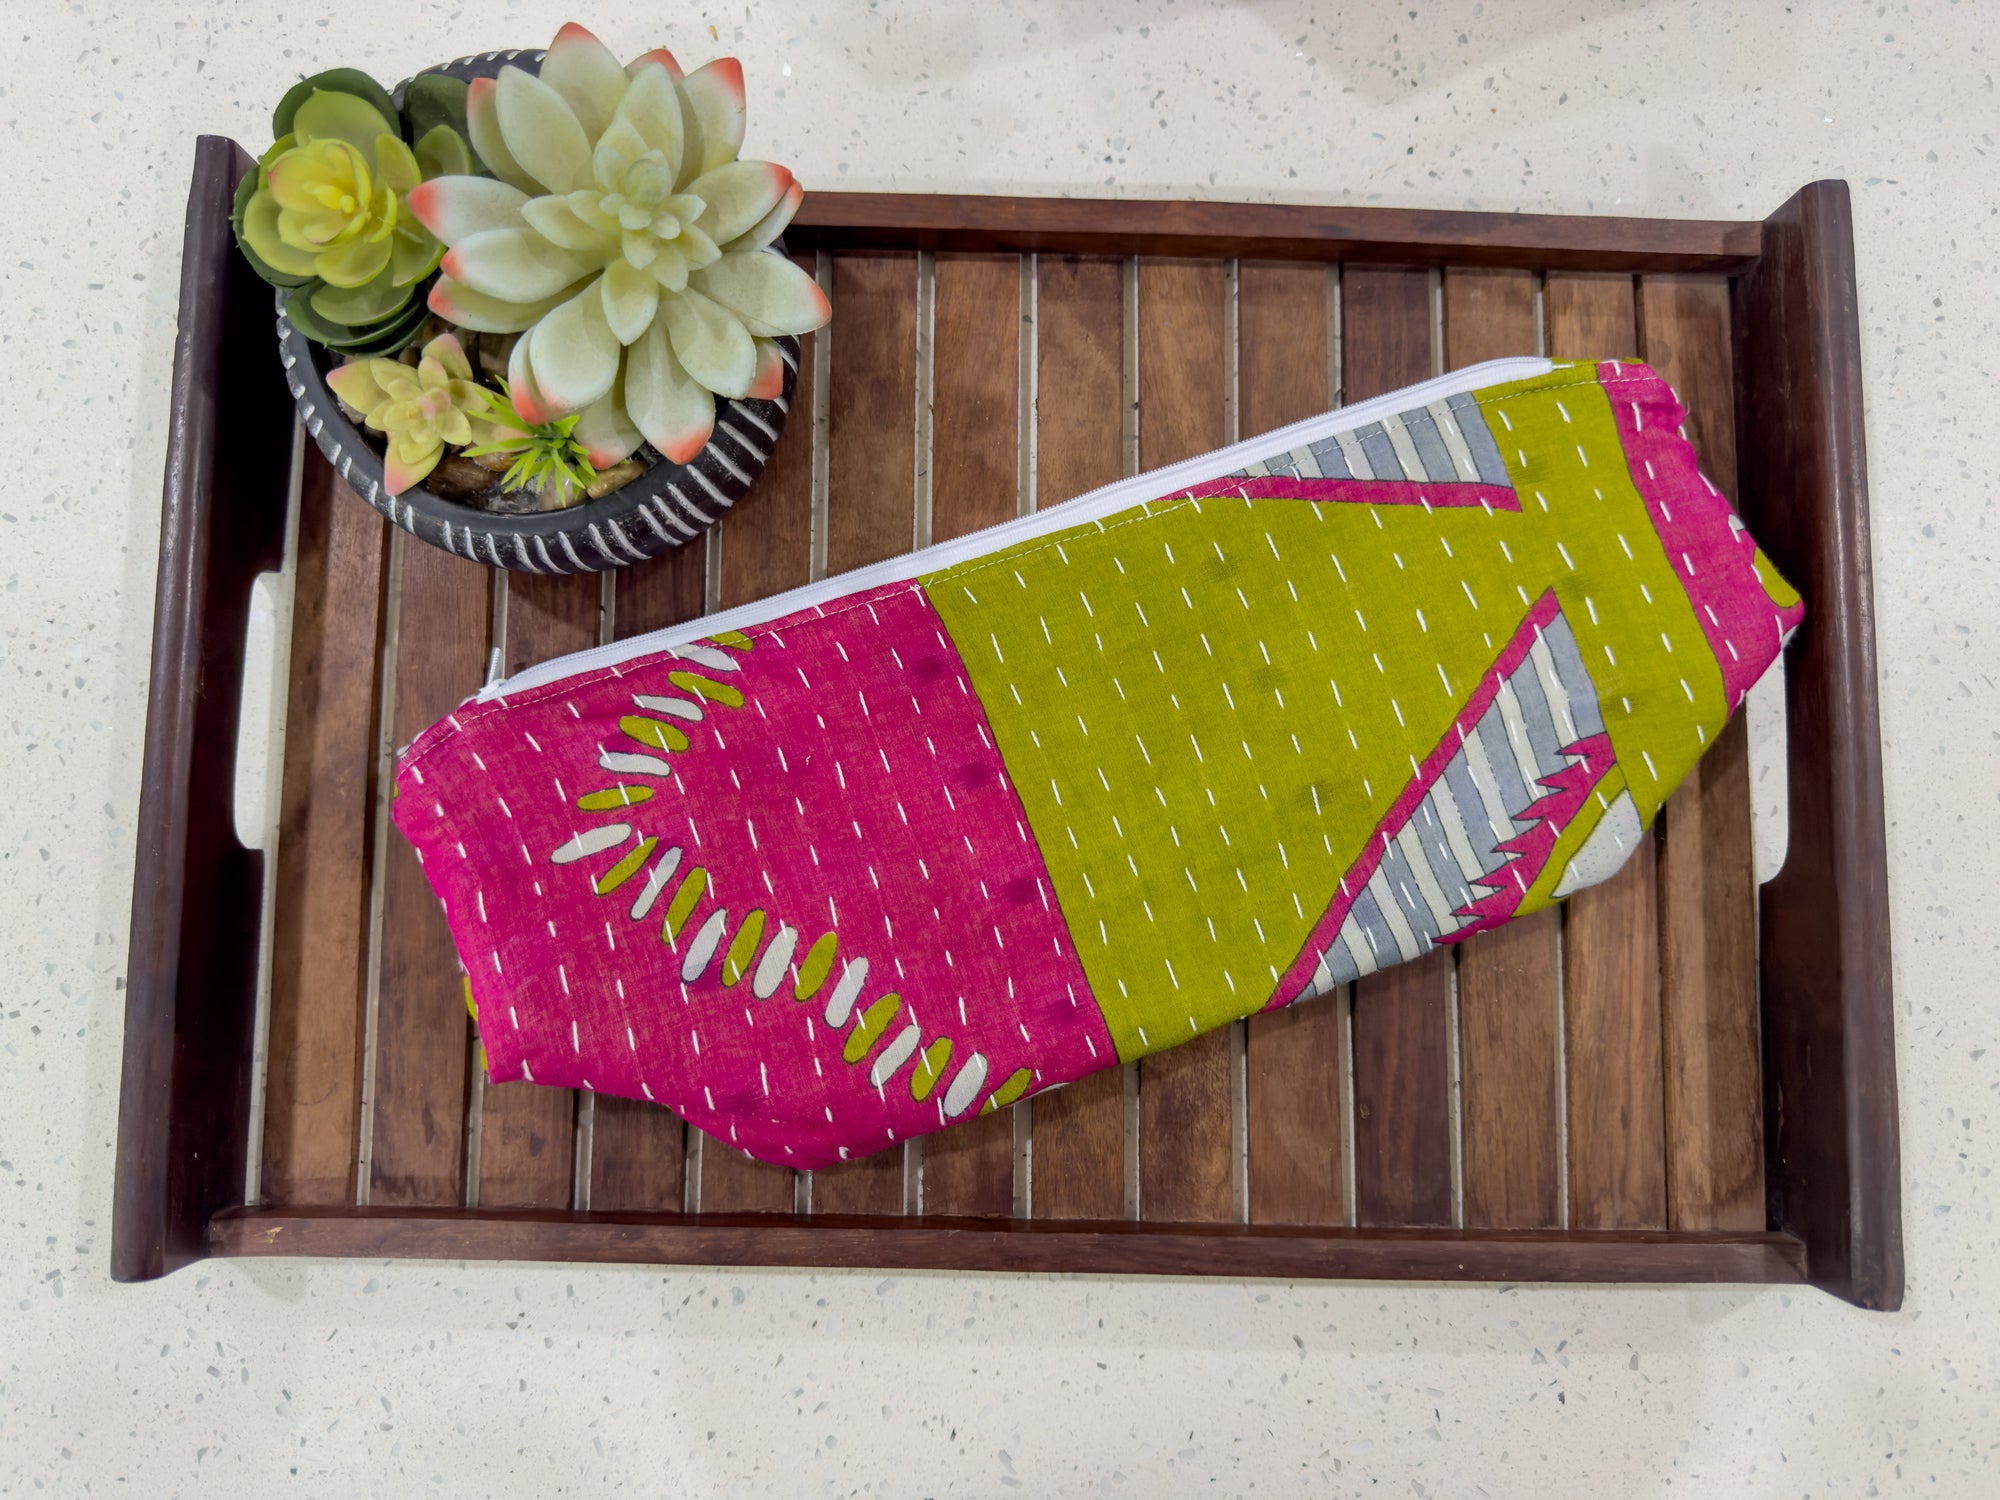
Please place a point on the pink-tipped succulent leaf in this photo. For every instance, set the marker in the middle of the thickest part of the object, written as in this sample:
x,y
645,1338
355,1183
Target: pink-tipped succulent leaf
x,y
456,208
591,81
738,195
605,429
767,293
406,464
673,410
515,264
482,123
768,384
457,303
542,131
713,94
659,55
575,354
773,224
529,403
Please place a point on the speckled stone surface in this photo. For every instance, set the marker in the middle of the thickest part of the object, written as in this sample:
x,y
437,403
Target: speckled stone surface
x,y
355,1379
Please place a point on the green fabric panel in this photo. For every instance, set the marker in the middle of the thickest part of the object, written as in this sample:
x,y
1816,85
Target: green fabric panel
x,y
1207,705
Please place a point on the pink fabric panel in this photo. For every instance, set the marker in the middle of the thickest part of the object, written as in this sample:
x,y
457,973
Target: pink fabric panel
x,y
1745,628
840,822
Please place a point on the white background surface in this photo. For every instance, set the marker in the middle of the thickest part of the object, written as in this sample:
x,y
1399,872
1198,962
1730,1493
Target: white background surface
x,y
347,1379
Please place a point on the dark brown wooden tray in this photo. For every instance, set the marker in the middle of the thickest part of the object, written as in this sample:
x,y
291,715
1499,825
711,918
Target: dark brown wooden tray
x,y
1650,1086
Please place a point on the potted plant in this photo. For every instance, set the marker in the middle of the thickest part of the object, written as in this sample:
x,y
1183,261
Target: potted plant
x,y
533,307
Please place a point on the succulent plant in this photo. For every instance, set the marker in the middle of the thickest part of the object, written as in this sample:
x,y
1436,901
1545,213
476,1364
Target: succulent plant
x,y
418,410
548,457
326,211
624,240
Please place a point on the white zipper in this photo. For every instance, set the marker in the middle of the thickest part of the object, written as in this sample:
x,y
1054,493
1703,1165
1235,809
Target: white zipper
x,y
1098,503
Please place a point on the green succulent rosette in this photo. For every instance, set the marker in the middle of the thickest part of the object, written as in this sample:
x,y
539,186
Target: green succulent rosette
x,y
326,213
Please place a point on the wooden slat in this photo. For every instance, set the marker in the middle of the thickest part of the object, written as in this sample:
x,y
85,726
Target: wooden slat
x,y
1079,376
1591,315
969,1169
975,483
1184,1132
1292,1079
1708,927
672,588
1487,315
638,1156
638,1150
1509,1083
1281,334
1402,1094
733,1181
1182,329
527,1133
1079,1132
1402,1079
872,1185
422,1045
1714,1119
976,393
766,539
1611,957
319,940
1385,329
872,457
1611,1012
1078,1169
1185,1150
1509,1050
1292,1057
766,544
870,515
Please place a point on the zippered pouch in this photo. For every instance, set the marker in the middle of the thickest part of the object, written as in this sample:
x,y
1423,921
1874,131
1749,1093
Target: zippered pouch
x,y
858,861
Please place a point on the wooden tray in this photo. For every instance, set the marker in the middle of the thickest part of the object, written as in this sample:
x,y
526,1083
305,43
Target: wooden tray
x,y
1650,1086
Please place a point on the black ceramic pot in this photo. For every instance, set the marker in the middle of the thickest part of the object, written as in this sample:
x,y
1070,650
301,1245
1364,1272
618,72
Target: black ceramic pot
x,y
667,505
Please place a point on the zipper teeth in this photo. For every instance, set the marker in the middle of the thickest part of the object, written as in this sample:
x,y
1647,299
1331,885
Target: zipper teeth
x,y
1093,505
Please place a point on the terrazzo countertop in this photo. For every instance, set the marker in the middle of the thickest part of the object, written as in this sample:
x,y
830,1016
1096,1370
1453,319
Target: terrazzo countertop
x,y
281,1378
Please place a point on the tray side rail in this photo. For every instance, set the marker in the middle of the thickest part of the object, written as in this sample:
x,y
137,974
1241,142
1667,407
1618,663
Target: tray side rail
x,y
1273,231
1156,1247
1834,1169
183,1117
